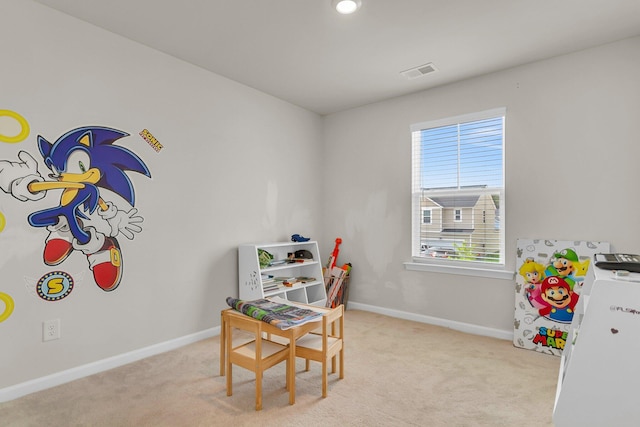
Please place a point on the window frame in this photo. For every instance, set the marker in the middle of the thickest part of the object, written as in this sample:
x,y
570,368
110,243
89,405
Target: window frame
x,y
466,267
423,210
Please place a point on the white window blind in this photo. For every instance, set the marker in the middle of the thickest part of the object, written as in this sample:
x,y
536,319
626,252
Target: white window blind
x,y
458,174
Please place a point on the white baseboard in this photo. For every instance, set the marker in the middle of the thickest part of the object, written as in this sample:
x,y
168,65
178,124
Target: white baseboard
x,y
38,384
458,326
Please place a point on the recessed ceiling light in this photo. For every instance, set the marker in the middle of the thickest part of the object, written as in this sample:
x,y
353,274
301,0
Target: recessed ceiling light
x,y
346,7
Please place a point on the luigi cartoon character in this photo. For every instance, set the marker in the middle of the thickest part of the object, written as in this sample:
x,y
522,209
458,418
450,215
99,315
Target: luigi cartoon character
x,y
564,265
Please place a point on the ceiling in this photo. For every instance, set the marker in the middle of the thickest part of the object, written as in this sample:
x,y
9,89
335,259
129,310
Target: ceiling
x,y
304,52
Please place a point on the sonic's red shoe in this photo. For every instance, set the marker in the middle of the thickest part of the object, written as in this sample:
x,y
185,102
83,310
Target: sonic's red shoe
x,y
58,245
107,265
56,251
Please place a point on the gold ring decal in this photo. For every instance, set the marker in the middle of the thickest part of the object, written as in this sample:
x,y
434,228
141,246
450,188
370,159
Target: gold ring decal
x,y
21,121
8,306
3,222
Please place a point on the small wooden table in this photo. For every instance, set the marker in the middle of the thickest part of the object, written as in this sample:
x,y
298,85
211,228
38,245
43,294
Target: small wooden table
x,y
291,334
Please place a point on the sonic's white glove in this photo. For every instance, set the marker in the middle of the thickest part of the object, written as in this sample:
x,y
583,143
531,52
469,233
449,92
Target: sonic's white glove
x,y
125,223
15,177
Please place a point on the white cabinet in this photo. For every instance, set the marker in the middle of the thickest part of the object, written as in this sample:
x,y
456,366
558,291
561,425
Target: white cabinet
x,y
600,365
256,282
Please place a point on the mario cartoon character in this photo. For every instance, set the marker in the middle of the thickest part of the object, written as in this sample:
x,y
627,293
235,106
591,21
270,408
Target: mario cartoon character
x,y
560,299
564,264
83,163
533,274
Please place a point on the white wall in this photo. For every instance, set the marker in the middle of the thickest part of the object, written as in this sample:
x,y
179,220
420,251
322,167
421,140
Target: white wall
x,y
571,169
224,177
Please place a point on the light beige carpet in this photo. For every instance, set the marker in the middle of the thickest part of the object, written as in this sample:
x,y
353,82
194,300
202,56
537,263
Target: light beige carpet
x,y
397,373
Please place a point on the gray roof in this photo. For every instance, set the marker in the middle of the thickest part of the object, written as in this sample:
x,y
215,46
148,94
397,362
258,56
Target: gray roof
x,y
456,201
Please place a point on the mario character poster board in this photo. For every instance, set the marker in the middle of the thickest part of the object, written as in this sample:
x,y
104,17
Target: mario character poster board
x,y
549,279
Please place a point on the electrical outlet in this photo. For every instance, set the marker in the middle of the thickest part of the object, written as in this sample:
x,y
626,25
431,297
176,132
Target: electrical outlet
x,y
51,330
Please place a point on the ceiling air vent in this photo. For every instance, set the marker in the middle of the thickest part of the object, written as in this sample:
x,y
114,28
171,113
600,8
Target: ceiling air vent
x,y
419,71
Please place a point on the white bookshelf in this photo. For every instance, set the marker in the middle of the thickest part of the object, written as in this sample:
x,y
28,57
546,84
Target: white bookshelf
x,y
255,284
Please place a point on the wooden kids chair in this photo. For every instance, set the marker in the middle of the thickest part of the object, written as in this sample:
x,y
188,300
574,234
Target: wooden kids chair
x,y
325,345
257,355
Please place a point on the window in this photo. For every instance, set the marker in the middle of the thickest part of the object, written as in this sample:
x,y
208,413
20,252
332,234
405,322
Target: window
x,y
458,178
426,216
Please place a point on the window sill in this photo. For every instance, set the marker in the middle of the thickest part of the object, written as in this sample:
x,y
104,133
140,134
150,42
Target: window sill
x,y
460,270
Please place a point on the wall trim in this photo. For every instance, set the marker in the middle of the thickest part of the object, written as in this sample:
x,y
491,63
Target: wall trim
x,y
43,383
38,384
451,324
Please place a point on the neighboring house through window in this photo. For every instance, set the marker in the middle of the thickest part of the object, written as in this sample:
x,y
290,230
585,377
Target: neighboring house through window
x,y
458,188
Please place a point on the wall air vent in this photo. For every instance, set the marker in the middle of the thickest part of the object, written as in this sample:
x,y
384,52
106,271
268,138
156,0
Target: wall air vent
x,y
419,71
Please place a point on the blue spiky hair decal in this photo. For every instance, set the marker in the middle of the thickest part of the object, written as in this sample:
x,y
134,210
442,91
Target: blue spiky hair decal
x,y
112,160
